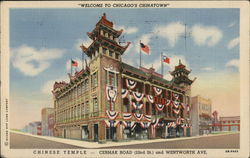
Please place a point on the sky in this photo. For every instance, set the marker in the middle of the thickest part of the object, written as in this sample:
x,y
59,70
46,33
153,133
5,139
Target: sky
x,y
42,42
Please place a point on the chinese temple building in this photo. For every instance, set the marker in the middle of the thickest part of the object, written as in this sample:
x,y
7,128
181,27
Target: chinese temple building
x,y
111,100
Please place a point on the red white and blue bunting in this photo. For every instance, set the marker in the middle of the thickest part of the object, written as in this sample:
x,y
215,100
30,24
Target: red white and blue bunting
x,y
183,105
130,83
128,124
124,93
186,125
111,123
138,96
138,117
111,93
176,96
169,124
178,120
168,102
188,107
157,90
176,111
145,124
137,106
176,104
173,124
147,117
127,116
112,114
150,98
159,107
154,123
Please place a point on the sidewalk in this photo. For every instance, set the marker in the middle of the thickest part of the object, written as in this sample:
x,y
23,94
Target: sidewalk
x,y
91,145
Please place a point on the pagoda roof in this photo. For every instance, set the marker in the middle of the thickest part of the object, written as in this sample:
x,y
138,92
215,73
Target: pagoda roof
x,y
106,25
179,68
105,21
102,40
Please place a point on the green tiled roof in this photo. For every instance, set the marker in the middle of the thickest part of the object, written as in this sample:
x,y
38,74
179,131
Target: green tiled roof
x,y
133,69
140,72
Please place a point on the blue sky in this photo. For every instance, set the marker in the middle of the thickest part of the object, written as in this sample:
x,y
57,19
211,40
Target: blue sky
x,y
42,41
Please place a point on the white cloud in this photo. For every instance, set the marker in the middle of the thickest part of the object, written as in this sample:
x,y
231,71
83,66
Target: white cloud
x,y
31,61
79,42
233,63
232,24
131,30
47,87
206,35
171,32
234,42
207,68
126,30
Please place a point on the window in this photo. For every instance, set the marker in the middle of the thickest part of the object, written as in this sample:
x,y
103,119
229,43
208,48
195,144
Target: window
x,y
79,91
94,80
111,78
101,32
86,85
116,56
83,110
111,53
95,104
104,50
82,87
87,107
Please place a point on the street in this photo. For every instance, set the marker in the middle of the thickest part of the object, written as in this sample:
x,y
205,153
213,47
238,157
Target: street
x,y
20,141
214,142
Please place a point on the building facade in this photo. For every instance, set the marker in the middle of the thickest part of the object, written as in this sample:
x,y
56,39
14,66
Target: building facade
x,y
215,122
34,128
230,123
51,123
111,100
201,115
45,112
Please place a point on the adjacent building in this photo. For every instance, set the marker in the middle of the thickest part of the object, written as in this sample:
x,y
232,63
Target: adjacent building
x,y
33,128
51,123
201,115
225,123
45,112
215,122
230,123
111,100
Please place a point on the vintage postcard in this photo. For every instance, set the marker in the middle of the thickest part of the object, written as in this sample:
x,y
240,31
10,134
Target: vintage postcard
x,y
125,79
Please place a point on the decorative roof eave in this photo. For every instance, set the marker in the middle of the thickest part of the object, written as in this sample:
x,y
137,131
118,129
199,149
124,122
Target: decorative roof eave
x,y
86,50
114,32
177,70
116,47
131,73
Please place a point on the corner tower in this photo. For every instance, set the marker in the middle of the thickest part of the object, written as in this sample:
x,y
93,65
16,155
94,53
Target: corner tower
x,y
105,60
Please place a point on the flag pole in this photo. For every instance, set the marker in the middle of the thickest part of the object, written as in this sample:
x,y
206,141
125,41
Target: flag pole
x,y
162,64
82,60
71,67
140,52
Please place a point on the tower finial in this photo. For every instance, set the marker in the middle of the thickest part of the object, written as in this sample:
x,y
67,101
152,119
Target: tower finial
x,y
179,61
104,15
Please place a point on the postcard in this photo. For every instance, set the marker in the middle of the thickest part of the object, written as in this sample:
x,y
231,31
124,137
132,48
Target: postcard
x,y
125,79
